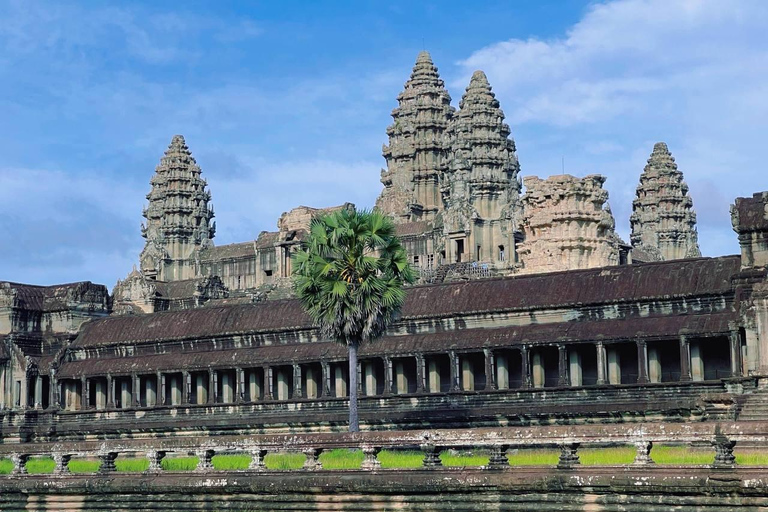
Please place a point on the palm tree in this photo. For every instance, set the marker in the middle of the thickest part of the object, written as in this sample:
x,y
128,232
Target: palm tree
x,y
350,279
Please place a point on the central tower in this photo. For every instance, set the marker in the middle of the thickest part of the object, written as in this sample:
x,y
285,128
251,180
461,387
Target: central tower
x,y
178,216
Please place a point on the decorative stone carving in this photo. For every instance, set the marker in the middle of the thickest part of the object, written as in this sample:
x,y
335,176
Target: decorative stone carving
x,y
567,224
178,216
417,146
663,221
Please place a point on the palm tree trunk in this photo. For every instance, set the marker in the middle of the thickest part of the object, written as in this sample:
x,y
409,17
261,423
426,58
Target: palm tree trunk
x,y
354,423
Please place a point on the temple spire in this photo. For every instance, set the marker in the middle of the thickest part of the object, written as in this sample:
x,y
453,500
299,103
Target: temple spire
x,y
178,216
663,221
481,189
416,151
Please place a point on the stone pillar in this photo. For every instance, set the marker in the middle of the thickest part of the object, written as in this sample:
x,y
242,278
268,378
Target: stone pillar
x,y
313,459
268,391
537,371
697,362
110,392
388,376
502,371
240,385
254,387
151,391
370,378
100,394
420,373
312,385
187,387
125,394
135,390
600,363
38,392
562,366
227,387
454,361
574,368
685,359
3,387
614,366
283,385
734,341
297,381
213,392
467,375
401,379
654,365
490,374
724,457
359,378
642,362
162,396
433,379
53,399
526,367
201,393
85,393
340,385
176,390
325,369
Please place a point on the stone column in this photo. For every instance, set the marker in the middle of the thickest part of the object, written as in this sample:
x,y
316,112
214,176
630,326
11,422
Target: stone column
x,y
574,368
325,369
654,366
85,393
359,378
614,366
562,366
162,399
526,367
340,385
135,390
53,399
213,395
313,390
697,362
3,387
388,377
38,392
454,359
467,375
490,375
420,373
433,376
240,383
502,371
297,381
600,363
685,359
537,370
369,376
642,362
110,392
268,383
283,384
735,344
186,388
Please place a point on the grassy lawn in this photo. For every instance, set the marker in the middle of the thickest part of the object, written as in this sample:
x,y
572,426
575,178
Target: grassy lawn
x,y
399,459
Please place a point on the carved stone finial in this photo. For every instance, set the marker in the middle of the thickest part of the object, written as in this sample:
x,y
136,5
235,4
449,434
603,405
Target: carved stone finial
x,y
663,221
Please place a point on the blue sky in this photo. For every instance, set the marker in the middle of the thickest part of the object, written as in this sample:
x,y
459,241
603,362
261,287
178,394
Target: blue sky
x,y
286,103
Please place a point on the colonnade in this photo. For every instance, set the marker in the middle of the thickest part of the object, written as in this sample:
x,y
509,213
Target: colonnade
x,y
516,367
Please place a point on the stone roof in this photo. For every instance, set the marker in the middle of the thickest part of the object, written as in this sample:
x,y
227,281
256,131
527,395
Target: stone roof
x,y
414,228
52,298
681,278
229,251
192,357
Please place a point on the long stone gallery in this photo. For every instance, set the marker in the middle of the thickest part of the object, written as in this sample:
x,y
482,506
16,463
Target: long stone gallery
x,y
533,324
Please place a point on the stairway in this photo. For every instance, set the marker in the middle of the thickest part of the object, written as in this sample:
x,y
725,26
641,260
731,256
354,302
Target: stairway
x,y
755,406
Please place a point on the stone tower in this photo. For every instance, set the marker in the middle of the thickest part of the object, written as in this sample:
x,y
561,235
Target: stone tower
x,y
178,216
567,224
663,221
480,187
417,146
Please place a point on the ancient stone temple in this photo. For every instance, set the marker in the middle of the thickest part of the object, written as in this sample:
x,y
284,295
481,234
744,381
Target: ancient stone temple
x,y
663,221
567,224
480,186
178,216
417,146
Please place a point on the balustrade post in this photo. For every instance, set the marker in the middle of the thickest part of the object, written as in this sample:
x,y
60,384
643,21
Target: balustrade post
x,y
108,462
431,455
204,463
19,463
62,463
313,459
569,456
498,458
724,457
257,459
370,460
155,461
643,454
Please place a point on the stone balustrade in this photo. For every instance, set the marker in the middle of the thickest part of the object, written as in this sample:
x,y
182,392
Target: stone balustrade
x,y
495,441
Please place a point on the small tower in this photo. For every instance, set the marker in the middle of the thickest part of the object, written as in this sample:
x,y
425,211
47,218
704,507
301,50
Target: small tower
x,y
416,151
178,216
481,190
663,221
567,224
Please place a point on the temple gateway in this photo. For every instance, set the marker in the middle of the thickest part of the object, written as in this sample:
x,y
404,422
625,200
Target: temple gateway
x,y
529,307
